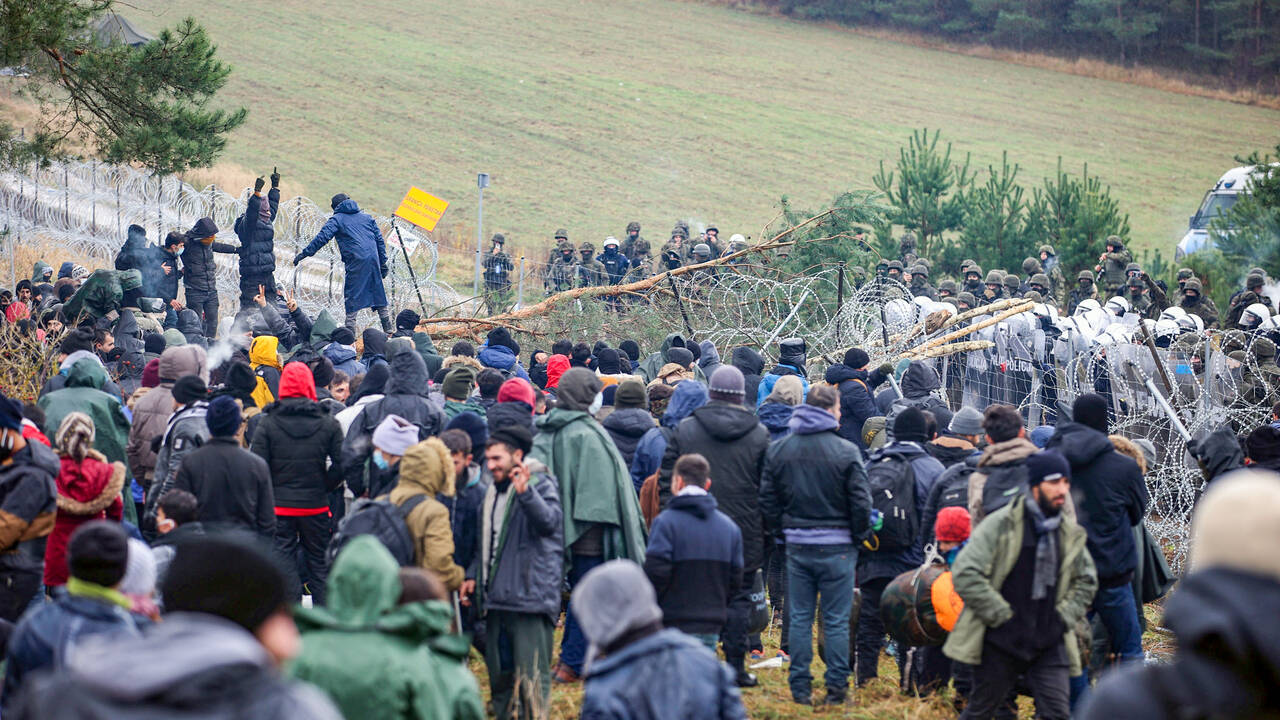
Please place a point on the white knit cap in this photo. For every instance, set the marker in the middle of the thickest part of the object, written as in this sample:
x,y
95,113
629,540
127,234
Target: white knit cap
x,y
394,435
140,571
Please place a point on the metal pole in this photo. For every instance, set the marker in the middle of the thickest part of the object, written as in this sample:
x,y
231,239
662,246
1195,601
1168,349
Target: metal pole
x,y
1164,405
520,292
159,191
94,208
475,290
408,264
117,174
688,329
66,204
839,301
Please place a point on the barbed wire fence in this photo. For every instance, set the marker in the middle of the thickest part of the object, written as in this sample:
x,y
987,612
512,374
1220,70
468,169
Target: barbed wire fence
x,y
85,208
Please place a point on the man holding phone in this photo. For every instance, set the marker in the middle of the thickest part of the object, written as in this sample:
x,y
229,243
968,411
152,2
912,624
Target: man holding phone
x,y
518,572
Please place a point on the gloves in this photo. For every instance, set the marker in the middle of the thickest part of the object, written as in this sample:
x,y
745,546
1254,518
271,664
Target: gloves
x,y
275,178
384,271
299,258
257,185
885,369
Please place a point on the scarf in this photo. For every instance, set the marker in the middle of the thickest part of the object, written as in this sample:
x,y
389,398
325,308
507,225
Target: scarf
x,y
1046,570
84,588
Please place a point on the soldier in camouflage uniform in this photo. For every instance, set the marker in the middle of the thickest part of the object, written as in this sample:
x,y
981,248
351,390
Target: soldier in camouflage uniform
x,y
563,269
973,280
1139,300
640,260
1194,302
947,288
994,287
629,240
1085,290
675,253
1057,281
1260,385
1030,267
590,272
553,254
1039,284
920,286
907,246
498,266
711,236
895,270
1184,274
1112,264
1012,286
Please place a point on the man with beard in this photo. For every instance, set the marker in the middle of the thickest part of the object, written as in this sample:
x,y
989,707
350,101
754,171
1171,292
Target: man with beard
x,y
1026,580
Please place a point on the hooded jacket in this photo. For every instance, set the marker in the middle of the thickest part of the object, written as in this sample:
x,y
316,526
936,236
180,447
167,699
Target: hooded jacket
x,y
694,561
199,272
1227,664
427,469
651,365
511,412
87,490
137,254
751,365
648,679
406,396
813,478
776,417
27,505
191,666
343,358
83,393
257,246
59,380
184,432
1001,474
731,438
378,659
593,483
191,328
375,347
151,412
626,427
302,445
688,396
790,362
527,561
857,398
503,359
709,360
363,254
1110,498
264,358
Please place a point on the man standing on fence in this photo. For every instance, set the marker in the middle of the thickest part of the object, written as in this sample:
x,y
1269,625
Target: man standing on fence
x,y
364,255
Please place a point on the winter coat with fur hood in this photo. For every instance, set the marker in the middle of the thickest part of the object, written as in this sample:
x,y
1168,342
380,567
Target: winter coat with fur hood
x,y
87,490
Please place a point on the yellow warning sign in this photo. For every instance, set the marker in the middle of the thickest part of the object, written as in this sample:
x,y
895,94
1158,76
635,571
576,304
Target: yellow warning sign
x,y
421,208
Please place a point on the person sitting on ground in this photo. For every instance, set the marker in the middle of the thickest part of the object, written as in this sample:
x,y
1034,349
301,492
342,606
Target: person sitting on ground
x,y
694,558
369,623
622,622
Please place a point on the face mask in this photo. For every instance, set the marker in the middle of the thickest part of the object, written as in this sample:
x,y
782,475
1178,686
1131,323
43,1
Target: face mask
x,y
596,404
380,461
1190,300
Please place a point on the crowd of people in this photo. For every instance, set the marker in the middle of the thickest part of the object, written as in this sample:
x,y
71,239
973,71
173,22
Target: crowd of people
x,y
268,514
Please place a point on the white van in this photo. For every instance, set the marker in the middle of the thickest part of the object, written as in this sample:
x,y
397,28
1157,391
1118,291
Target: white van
x,y
1224,194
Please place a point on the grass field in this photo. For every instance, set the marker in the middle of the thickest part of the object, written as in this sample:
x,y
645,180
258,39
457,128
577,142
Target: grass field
x,y
588,115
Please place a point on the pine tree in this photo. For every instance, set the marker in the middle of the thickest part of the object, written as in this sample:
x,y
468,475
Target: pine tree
x,y
1249,233
148,105
995,229
926,189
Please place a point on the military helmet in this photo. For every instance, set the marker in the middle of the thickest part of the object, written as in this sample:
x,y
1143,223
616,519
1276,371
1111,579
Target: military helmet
x,y
948,286
641,247
907,243
562,234
1047,249
1115,241
1012,282
586,247
1132,267
712,228
702,249
1031,266
1234,340
967,298
1033,296
633,225
967,262
974,269
1264,349
499,238
919,269
1184,273
882,264
1039,279
1085,275
895,265
564,245
995,278
1193,284
1254,280
679,232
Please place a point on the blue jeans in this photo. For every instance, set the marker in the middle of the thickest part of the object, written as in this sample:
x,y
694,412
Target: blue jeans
x,y
829,571
573,646
711,640
1119,614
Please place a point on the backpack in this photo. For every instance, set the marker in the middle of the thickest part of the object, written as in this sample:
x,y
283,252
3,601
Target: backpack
x,y
382,519
893,493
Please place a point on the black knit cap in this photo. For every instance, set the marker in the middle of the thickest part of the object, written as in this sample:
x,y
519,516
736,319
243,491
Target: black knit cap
x,y
407,319
1091,410
514,436
909,425
343,336
189,388
153,343
856,358
98,553
228,575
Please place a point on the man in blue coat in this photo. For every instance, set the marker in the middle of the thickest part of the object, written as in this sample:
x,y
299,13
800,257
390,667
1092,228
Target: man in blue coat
x,y
363,254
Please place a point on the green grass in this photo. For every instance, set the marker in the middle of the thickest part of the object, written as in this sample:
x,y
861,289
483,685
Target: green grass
x,y
588,115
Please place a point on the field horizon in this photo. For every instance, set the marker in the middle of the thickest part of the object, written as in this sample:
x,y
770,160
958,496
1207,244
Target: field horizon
x,y
587,116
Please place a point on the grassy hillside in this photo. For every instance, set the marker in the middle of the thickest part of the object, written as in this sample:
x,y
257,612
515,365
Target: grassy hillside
x,y
588,115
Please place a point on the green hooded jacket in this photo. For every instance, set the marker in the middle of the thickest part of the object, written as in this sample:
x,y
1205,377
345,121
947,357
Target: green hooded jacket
x,y
37,271
83,393
378,660
986,561
322,328
427,350
595,484
101,293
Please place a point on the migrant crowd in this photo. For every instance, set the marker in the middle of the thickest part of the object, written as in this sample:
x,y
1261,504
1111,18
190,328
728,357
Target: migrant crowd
x,y
271,516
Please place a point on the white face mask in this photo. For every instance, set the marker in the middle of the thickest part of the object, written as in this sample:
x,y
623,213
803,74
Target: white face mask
x,y
596,404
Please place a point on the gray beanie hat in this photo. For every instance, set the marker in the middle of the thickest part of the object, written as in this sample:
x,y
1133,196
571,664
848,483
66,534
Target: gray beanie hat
x,y
966,421
611,601
727,385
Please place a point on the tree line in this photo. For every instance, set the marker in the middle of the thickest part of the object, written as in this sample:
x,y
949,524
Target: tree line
x,y
1231,39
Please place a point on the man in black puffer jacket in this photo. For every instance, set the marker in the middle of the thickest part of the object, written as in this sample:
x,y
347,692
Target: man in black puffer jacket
x,y
257,242
199,273
734,442
298,438
406,396
1111,497
857,388
630,420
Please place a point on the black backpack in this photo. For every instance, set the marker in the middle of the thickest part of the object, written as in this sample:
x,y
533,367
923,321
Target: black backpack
x,y
893,493
382,519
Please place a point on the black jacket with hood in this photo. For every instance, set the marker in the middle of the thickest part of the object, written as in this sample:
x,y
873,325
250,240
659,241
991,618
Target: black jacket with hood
x,y
1110,497
297,437
405,395
857,398
732,439
626,427
751,365
257,244
199,273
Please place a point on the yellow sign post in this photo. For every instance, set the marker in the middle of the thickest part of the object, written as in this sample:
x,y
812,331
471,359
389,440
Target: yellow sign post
x,y
421,208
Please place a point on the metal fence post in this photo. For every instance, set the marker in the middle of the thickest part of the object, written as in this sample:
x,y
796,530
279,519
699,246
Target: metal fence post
x,y
520,292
